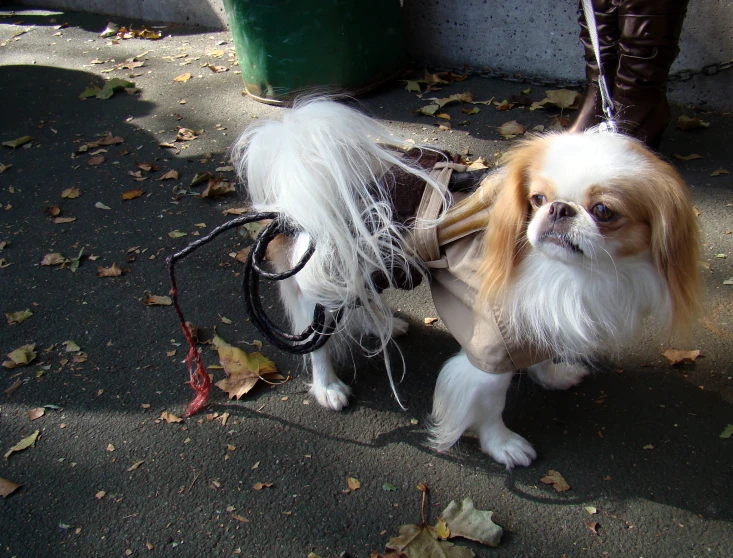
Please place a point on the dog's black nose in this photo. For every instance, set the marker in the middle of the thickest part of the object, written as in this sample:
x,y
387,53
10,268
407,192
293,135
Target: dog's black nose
x,y
560,210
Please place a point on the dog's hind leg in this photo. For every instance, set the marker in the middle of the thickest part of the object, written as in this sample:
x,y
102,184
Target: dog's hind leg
x,y
327,388
467,398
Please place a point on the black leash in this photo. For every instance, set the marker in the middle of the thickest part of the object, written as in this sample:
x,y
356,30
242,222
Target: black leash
x,y
323,325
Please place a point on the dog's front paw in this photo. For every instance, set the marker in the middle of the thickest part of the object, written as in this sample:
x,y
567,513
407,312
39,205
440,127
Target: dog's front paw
x,y
334,396
561,375
506,447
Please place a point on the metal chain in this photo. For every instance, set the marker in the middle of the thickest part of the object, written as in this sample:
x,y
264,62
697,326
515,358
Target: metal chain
x,y
541,81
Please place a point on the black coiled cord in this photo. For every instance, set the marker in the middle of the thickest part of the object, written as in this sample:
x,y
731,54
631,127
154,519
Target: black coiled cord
x,y
323,325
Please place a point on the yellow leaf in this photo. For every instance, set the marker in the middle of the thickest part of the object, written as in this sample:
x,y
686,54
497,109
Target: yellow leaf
x,y
563,98
183,77
428,110
23,355
71,193
25,443
170,417
132,194
353,483
243,370
18,317
17,142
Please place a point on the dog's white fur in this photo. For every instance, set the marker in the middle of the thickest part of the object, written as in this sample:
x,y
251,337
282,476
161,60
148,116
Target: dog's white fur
x,y
580,292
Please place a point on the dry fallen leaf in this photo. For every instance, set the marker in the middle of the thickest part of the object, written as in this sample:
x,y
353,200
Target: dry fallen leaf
x,y
132,194
112,271
100,205
421,541
512,129
170,175
36,413
71,346
676,356
95,161
235,211
16,384
17,142
155,300
563,98
719,172
101,494
7,487
217,187
18,317
147,167
687,123
25,443
464,520
353,483
689,157
261,485
135,466
63,220
183,77
21,356
54,258
71,193
556,480
170,417
187,134
244,370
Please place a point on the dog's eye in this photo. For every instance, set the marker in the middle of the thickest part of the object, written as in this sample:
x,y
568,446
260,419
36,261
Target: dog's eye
x,y
538,200
602,213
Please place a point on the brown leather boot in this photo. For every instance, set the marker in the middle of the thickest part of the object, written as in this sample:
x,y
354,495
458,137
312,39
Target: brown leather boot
x,y
650,33
606,14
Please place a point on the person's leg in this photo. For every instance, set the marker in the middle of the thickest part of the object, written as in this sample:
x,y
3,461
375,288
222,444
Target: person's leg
x,y
650,33
606,15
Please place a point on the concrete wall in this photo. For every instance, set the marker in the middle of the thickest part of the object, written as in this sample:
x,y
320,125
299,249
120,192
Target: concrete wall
x,y
203,13
529,37
540,37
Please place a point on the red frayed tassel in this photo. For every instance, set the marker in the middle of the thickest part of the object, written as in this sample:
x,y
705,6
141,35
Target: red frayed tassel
x,y
200,379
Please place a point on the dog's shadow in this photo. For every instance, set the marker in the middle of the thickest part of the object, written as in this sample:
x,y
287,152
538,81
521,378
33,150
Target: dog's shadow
x,y
644,433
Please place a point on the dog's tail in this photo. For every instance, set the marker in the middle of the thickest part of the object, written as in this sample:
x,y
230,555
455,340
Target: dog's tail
x,y
319,168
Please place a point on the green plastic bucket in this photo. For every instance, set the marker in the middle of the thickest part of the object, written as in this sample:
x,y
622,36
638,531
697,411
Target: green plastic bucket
x,y
287,47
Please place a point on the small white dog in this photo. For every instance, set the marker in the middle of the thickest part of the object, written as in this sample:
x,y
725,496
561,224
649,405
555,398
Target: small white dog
x,y
582,237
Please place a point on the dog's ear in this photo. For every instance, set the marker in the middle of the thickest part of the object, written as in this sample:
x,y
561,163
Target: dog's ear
x,y
675,241
505,236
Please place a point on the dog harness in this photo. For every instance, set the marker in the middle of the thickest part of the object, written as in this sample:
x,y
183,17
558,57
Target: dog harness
x,y
452,251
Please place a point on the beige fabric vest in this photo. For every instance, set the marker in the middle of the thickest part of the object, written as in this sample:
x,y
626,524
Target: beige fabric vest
x,y
451,251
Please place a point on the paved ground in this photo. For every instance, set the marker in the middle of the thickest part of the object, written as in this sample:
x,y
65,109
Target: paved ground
x,y
641,445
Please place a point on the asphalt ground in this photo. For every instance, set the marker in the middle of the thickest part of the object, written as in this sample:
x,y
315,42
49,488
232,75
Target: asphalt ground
x,y
639,442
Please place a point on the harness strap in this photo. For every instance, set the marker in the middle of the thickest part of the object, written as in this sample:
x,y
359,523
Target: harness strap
x,y
424,237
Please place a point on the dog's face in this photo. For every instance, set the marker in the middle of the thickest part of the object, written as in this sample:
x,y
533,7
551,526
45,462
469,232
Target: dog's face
x,y
597,201
586,200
